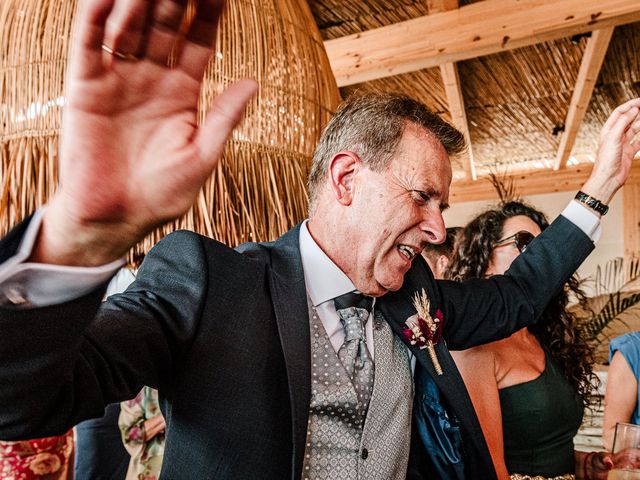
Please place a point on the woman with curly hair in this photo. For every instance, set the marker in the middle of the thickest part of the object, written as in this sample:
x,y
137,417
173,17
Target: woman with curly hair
x,y
530,389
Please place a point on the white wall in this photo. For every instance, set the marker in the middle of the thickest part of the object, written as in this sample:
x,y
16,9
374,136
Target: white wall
x,y
609,246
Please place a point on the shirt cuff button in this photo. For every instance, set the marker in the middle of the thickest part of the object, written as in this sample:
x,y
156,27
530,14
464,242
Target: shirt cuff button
x,y
14,296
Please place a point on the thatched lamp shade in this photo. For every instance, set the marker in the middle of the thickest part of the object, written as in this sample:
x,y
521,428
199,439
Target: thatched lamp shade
x,y
259,189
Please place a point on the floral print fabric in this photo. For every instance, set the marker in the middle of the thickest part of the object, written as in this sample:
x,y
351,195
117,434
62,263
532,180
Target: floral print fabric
x,y
40,459
146,457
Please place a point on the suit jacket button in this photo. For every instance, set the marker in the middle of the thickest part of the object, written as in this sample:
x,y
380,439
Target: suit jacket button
x,y
364,454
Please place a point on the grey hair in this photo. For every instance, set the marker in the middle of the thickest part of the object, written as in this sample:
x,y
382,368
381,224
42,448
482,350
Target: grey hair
x,y
372,125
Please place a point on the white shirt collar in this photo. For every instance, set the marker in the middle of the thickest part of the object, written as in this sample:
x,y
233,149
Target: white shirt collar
x,y
323,278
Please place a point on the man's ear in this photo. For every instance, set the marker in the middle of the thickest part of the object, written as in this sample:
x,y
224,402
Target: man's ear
x,y
342,168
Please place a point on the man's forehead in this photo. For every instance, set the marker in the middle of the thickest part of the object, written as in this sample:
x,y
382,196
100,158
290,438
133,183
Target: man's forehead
x,y
428,170
423,146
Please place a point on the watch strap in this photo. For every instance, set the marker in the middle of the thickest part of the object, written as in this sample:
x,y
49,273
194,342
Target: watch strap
x,y
592,203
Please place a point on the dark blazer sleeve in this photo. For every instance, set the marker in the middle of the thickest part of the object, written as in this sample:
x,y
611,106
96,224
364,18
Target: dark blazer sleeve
x,y
62,364
11,242
479,311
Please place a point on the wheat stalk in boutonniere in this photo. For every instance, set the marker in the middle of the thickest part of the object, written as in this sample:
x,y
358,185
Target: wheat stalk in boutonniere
x,y
428,327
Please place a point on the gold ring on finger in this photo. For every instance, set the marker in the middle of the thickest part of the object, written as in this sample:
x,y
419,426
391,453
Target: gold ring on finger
x,y
120,55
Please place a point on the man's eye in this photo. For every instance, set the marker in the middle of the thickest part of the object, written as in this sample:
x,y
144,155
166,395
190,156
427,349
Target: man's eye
x,y
423,197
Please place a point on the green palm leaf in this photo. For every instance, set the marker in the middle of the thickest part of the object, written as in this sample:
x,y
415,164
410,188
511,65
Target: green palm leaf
x,y
613,283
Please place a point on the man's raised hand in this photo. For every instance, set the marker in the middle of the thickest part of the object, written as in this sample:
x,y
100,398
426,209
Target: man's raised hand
x,y
131,155
618,146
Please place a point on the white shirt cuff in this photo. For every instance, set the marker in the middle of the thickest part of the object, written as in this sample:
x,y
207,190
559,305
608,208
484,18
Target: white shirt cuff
x,y
584,219
37,284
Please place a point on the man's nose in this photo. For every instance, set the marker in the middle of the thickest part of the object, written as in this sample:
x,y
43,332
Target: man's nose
x,y
433,226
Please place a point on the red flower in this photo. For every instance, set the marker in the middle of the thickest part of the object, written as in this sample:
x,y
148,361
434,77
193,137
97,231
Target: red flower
x,y
419,331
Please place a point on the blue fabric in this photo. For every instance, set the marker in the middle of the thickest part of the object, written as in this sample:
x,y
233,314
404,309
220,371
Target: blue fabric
x,y
629,346
439,434
100,454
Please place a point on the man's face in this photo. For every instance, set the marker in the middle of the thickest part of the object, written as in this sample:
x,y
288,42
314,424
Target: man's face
x,y
396,212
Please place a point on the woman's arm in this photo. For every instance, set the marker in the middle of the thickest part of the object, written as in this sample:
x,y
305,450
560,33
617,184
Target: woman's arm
x,y
477,366
620,398
153,426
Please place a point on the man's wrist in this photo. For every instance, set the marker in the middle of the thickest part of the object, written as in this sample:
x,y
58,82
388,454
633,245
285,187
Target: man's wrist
x,y
64,241
603,191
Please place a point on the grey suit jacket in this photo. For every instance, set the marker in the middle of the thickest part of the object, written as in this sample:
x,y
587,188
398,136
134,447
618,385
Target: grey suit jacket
x,y
224,336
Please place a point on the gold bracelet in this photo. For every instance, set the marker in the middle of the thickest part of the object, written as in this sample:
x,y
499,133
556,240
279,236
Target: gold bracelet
x,y
518,476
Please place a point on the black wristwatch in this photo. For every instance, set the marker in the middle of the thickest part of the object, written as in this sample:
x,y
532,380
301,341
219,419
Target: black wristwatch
x,y
592,203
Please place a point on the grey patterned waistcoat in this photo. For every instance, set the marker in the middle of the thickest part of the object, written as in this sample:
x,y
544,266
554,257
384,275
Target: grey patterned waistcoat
x,y
344,442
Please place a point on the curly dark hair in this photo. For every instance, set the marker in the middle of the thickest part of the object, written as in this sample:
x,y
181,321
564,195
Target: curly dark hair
x,y
556,329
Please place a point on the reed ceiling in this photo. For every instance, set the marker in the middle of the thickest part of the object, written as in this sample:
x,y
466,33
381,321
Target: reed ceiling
x,y
516,101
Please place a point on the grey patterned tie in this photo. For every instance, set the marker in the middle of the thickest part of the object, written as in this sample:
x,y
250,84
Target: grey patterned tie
x,y
353,310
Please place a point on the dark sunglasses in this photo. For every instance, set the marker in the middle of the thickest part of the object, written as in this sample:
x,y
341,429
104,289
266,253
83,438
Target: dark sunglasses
x,y
522,239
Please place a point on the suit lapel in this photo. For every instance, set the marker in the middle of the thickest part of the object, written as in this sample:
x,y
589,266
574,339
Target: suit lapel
x,y
290,305
397,307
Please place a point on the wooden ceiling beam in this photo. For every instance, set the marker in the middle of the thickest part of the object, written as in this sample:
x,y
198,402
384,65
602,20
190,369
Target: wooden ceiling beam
x,y
533,182
436,6
453,90
592,60
481,28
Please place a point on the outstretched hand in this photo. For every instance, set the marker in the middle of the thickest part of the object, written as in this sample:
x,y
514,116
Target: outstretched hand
x,y
602,462
618,147
132,156
598,466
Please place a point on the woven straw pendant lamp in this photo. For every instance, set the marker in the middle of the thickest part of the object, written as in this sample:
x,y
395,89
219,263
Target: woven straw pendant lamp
x,y
259,189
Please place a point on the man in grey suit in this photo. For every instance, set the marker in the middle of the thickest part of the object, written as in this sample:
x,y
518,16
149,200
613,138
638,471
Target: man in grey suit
x,y
269,359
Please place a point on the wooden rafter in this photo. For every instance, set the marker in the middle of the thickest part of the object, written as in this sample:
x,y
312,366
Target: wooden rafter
x,y
451,81
531,182
470,31
453,91
436,6
588,74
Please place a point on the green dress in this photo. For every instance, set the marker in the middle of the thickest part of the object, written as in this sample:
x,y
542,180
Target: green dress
x,y
539,420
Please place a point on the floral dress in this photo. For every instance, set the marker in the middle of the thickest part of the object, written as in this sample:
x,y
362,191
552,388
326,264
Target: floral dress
x,y
40,459
146,457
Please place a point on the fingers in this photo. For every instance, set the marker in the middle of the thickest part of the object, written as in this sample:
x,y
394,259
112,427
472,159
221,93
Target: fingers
x,y
126,26
622,116
631,142
196,50
164,29
155,29
621,130
633,129
85,59
226,112
607,461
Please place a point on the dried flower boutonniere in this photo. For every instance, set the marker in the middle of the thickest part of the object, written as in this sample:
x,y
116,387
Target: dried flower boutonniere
x,y
424,330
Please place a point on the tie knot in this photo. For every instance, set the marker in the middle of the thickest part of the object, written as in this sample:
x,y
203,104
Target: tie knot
x,y
353,299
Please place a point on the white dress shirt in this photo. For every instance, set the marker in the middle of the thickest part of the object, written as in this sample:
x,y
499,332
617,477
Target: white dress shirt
x,y
325,281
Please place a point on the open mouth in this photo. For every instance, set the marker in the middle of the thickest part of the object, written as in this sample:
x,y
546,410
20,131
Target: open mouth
x,y
407,251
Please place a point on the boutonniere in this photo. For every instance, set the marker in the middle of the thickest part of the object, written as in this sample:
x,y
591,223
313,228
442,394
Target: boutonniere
x,y
424,330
